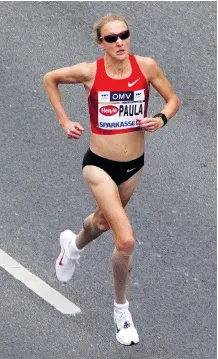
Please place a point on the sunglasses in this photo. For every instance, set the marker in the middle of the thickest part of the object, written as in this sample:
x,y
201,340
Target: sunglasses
x,y
123,35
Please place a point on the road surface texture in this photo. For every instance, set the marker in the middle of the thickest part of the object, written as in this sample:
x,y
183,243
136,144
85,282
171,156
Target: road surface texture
x,y
172,293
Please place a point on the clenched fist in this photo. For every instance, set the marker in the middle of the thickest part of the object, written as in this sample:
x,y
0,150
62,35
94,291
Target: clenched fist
x,y
150,124
72,129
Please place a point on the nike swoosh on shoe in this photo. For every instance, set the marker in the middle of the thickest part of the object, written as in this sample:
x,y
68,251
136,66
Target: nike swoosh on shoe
x,y
61,260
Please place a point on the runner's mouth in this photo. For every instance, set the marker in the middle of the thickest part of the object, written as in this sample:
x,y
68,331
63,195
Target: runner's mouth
x,y
120,52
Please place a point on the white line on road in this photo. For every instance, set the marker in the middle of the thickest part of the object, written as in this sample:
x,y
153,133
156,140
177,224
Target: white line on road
x,y
37,285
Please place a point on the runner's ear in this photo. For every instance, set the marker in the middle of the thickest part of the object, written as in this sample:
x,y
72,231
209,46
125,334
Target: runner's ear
x,y
100,44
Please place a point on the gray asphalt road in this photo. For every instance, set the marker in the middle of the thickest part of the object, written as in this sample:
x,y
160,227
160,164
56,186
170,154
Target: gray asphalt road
x,y
172,293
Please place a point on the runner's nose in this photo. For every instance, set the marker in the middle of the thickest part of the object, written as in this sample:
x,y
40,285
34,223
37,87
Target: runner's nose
x,y
119,41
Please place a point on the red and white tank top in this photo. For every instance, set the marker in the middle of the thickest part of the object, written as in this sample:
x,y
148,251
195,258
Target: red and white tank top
x,y
115,105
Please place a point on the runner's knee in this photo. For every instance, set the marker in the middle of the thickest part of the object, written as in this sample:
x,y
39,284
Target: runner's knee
x,y
125,246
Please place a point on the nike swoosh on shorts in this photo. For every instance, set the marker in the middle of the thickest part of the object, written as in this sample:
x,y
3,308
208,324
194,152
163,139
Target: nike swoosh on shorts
x,y
131,169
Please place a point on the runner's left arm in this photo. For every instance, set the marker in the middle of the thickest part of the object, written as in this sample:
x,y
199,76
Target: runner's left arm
x,y
157,79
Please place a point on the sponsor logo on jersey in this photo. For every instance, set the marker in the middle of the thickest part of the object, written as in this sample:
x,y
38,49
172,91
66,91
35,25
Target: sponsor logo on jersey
x,y
133,83
108,110
122,96
120,124
139,95
104,96
120,109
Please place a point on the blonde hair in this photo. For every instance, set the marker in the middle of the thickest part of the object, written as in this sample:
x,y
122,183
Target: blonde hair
x,y
103,21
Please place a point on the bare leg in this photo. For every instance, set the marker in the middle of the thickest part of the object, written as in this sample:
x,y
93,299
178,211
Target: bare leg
x,y
93,226
111,205
122,266
89,232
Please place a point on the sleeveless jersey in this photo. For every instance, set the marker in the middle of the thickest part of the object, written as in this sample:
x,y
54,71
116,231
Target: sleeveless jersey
x,y
115,105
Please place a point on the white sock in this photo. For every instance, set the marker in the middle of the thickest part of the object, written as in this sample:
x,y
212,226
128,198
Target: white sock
x,y
118,307
73,248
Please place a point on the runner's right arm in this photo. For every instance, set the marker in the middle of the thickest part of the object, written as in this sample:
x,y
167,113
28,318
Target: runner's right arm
x,y
79,73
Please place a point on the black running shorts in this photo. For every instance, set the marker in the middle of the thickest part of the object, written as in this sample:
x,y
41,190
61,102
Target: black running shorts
x,y
118,171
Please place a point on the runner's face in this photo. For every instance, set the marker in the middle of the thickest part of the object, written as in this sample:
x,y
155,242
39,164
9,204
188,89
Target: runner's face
x,y
120,49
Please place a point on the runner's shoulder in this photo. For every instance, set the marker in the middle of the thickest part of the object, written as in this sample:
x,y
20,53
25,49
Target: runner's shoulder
x,y
86,70
146,62
148,66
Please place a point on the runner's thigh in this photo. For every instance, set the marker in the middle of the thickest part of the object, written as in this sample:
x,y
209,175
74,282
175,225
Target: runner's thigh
x,y
127,188
108,199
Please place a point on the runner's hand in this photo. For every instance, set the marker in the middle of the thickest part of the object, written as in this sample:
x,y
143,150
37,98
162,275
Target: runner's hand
x,y
73,129
150,124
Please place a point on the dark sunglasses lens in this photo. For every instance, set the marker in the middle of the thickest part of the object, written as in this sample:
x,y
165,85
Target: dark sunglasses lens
x,y
124,35
111,38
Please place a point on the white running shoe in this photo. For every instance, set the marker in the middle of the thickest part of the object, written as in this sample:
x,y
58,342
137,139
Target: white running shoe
x,y
126,332
65,264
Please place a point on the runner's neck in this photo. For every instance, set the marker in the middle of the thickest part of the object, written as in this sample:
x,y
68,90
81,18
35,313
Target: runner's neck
x,y
115,67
